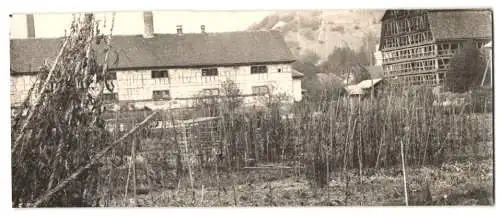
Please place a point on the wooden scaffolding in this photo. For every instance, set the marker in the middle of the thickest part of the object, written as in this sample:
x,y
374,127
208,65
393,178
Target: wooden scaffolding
x,y
411,53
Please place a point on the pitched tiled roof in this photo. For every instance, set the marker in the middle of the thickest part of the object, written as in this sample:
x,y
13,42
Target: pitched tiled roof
x,y
166,50
458,24
296,74
28,55
368,83
357,89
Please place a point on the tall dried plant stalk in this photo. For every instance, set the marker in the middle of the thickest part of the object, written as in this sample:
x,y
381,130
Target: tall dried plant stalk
x,y
60,127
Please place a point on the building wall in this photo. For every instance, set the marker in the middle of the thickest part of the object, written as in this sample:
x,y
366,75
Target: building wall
x,y
408,48
410,53
137,86
19,88
21,84
297,89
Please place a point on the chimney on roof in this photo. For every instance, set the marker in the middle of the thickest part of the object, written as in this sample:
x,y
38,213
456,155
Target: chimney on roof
x,y
30,21
148,24
203,29
89,17
179,29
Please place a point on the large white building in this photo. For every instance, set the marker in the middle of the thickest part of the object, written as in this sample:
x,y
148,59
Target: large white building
x,y
164,71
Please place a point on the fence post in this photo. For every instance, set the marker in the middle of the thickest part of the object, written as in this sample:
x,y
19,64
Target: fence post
x,y
179,164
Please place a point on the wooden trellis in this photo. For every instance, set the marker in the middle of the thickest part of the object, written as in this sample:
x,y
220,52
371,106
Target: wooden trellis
x,y
166,150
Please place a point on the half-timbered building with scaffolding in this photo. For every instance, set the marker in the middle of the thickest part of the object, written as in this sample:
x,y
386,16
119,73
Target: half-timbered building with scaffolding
x,y
417,45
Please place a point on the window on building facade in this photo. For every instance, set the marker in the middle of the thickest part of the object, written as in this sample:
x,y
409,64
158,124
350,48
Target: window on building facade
x,y
161,95
260,90
159,74
209,72
110,97
211,92
132,93
258,69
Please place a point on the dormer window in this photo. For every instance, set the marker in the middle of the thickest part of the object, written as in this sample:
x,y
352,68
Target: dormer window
x,y
159,74
209,72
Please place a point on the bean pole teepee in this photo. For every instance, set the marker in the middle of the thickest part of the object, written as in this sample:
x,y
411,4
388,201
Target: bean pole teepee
x,y
59,134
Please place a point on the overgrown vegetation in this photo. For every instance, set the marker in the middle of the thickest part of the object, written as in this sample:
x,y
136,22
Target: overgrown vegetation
x,y
60,127
344,63
466,69
228,97
343,59
346,144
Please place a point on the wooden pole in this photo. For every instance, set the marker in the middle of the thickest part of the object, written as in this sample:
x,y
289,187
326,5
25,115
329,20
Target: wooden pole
x,y
128,178
38,98
179,164
134,173
202,190
404,172
188,159
485,72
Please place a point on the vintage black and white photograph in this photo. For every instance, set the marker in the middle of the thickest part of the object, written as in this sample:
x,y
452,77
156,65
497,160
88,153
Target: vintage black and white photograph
x,y
283,108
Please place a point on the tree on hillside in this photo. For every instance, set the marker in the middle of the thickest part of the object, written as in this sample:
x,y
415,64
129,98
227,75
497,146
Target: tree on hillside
x,y
368,48
267,23
310,57
465,70
360,73
340,59
310,80
346,62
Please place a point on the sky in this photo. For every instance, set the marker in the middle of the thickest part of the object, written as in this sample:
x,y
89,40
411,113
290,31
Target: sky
x,y
128,23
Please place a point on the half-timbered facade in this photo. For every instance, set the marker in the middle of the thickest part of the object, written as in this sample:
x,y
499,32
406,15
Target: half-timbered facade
x,y
164,71
417,45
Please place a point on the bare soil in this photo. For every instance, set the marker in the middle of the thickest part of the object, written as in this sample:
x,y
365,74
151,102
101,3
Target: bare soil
x,y
455,183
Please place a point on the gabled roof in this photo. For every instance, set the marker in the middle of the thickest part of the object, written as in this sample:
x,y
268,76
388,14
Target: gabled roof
x,y
353,90
358,89
365,84
454,24
166,50
296,74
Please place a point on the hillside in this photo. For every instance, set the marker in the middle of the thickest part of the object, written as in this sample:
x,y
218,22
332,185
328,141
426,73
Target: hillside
x,y
341,28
